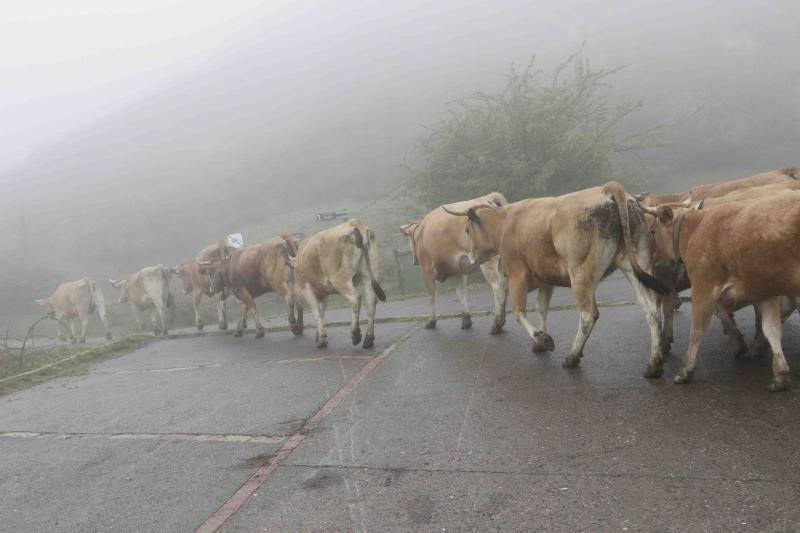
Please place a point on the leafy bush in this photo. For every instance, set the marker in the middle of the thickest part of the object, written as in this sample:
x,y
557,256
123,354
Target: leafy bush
x,y
535,138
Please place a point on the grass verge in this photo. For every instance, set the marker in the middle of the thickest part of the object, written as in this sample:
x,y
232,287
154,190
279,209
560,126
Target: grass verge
x,y
43,364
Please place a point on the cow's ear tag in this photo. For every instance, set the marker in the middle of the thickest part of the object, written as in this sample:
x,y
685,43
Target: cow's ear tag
x,y
698,206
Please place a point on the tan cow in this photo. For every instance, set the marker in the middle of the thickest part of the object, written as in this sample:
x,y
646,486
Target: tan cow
x,y
341,259
441,249
574,240
674,275
736,254
714,190
197,283
254,270
76,299
146,290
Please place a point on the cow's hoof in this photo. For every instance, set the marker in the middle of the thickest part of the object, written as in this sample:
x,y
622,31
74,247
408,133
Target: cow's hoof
x,y
355,336
654,370
108,336
164,333
297,329
782,383
238,333
322,342
572,361
200,326
466,322
369,341
260,333
684,376
496,329
430,324
223,326
542,342
677,303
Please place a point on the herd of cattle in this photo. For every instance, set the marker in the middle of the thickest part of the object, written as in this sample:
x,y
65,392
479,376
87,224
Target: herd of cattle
x,y
734,243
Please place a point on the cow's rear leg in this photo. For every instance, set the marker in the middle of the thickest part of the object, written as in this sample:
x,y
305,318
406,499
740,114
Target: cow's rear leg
x,y
84,318
198,322
430,284
497,281
317,305
730,328
249,304
667,304
518,290
100,305
156,325
372,302
295,321
349,291
542,341
461,293
648,300
771,323
760,343
62,332
222,314
702,310
583,292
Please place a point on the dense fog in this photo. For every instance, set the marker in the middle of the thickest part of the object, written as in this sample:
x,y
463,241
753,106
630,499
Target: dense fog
x,y
283,107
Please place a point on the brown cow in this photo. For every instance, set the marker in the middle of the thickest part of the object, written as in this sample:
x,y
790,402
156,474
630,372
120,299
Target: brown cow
x,y
574,240
736,254
341,259
714,190
674,275
197,283
254,270
441,249
76,299
147,289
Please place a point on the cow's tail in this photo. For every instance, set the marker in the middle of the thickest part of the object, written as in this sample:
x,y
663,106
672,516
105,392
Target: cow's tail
x,y
92,298
621,199
792,171
369,254
166,275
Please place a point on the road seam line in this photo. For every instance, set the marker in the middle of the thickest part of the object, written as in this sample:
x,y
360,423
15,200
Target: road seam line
x,y
240,497
191,437
539,474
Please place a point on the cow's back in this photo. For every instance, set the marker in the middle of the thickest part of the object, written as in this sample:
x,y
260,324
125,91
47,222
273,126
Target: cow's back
x,y
71,296
751,243
213,252
715,190
323,255
258,267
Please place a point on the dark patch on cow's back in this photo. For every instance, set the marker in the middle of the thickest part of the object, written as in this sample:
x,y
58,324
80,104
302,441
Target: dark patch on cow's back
x,y
603,218
635,217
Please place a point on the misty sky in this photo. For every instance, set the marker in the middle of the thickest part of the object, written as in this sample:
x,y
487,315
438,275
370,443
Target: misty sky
x,y
66,63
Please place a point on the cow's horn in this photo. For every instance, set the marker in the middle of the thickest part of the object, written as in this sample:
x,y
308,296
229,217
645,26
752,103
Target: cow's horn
x,y
649,210
456,213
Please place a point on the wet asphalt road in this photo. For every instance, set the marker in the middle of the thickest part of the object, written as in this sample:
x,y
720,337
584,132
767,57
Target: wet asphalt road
x,y
441,430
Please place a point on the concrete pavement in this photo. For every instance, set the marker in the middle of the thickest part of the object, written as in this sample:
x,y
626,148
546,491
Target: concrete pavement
x,y
445,430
